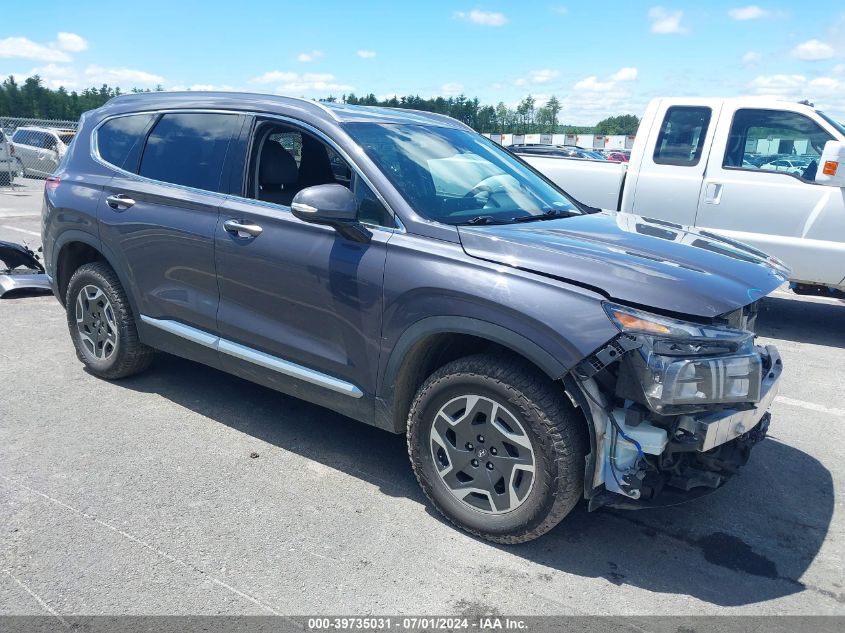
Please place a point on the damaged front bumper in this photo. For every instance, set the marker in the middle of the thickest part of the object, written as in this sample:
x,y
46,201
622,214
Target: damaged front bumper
x,y
21,271
642,458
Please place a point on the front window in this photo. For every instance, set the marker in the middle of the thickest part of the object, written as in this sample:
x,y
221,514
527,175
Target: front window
x,y
458,177
776,141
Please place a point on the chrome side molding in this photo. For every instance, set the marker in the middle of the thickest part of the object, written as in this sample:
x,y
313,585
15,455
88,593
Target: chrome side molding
x,y
242,352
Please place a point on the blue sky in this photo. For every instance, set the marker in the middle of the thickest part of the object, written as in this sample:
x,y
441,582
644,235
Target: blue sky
x,y
598,58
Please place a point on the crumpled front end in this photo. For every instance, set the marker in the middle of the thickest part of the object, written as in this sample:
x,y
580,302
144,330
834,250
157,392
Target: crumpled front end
x,y
20,270
675,407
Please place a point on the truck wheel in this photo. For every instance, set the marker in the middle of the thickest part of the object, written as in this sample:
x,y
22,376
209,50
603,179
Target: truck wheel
x,y
497,447
101,324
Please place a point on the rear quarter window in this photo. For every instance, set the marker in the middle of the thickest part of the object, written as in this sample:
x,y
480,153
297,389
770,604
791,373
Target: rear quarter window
x,y
120,140
681,139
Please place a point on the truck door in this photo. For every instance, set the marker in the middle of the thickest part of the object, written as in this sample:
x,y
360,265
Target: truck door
x,y
668,181
759,189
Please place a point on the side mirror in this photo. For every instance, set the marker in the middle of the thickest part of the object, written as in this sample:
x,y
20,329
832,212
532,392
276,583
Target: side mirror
x,y
333,205
831,171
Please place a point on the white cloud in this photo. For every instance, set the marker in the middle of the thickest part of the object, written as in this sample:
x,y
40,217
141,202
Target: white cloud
x,y
366,54
24,48
483,18
813,50
71,42
593,84
542,76
54,76
560,10
827,93
839,69
751,12
666,22
309,56
307,82
452,89
124,77
274,76
751,59
625,74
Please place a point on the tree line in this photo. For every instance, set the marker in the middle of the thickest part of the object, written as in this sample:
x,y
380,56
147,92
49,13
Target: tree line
x,y
32,99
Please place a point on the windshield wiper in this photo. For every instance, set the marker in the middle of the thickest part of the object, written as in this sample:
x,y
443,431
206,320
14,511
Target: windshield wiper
x,y
482,219
548,214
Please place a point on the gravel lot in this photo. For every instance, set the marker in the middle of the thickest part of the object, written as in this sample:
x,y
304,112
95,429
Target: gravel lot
x,y
141,497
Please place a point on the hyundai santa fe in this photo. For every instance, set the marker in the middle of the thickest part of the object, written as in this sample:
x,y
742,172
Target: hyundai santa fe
x,y
401,269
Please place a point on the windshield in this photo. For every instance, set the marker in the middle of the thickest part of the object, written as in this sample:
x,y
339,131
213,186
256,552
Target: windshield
x,y
839,127
457,176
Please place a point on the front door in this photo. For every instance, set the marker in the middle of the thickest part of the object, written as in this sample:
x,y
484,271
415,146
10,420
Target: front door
x,y
760,189
300,305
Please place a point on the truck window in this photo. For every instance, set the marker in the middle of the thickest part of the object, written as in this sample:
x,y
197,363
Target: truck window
x,y
776,141
682,134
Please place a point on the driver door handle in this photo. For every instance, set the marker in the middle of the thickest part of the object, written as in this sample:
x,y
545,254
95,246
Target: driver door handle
x,y
120,201
240,227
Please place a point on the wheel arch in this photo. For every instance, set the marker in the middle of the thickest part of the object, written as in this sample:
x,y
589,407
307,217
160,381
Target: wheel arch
x,y
434,341
77,248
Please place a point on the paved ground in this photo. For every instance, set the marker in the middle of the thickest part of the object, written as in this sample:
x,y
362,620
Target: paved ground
x,y
142,497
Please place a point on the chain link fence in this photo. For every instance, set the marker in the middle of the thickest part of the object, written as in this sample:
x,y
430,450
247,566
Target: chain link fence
x,y
30,149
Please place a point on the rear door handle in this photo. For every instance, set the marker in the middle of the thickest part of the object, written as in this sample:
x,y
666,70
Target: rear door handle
x,y
713,193
120,201
241,228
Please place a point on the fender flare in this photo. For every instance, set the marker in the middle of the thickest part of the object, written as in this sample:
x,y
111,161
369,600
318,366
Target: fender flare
x,y
432,325
73,235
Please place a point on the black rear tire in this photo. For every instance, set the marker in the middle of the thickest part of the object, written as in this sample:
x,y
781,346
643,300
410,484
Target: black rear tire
x,y
101,324
540,411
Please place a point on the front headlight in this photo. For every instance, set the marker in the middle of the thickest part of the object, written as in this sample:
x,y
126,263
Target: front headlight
x,y
684,364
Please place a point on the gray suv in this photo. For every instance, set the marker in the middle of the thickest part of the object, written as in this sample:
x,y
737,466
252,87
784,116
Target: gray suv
x,y
401,269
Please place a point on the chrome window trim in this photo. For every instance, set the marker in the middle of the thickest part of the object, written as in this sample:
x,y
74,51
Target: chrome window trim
x,y
95,155
254,356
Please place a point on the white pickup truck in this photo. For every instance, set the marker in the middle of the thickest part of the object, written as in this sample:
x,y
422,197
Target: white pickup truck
x,y
766,172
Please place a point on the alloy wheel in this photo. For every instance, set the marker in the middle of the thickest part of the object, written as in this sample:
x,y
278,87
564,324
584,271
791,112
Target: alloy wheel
x,y
483,454
95,322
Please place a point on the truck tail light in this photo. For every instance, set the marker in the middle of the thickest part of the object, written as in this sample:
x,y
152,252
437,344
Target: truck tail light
x,y
830,167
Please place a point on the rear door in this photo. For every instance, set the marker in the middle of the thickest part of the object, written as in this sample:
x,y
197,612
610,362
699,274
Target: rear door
x,y
760,189
161,222
668,181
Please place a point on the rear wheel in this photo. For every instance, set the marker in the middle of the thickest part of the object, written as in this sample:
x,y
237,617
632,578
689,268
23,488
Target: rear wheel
x,y
497,447
101,324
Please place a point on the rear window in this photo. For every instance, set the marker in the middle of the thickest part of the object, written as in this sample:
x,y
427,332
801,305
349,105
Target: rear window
x,y
120,140
189,149
682,134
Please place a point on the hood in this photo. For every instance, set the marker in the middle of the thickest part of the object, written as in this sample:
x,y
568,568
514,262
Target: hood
x,y
634,260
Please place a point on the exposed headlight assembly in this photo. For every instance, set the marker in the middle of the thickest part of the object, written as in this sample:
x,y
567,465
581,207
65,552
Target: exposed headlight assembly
x,y
683,366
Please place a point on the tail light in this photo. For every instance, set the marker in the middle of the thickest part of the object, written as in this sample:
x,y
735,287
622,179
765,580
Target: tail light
x,y
11,149
52,183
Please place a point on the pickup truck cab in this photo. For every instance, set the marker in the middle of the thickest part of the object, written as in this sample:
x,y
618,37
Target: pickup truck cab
x,y
749,169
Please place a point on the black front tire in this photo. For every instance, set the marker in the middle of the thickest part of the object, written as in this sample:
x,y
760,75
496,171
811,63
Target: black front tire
x,y
556,430
128,355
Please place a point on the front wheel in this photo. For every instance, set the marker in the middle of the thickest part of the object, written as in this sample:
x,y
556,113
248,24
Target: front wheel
x,y
497,447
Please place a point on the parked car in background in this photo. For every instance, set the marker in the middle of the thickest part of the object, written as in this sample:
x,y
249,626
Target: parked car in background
x,y
617,157
761,171
566,151
38,150
794,166
8,164
533,351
